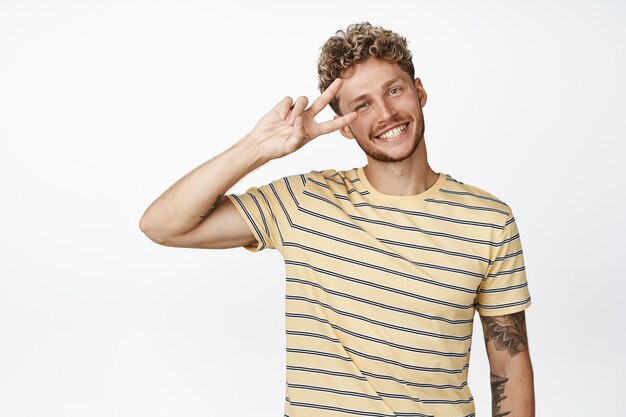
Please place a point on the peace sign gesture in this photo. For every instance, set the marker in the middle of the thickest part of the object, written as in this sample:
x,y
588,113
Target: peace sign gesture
x,y
289,126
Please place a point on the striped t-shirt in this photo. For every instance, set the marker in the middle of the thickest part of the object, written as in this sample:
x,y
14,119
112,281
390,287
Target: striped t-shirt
x,y
381,289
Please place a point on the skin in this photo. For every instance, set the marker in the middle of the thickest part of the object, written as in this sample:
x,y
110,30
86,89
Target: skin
x,y
384,96
194,213
512,387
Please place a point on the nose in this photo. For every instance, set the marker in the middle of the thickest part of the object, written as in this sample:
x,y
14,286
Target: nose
x,y
385,111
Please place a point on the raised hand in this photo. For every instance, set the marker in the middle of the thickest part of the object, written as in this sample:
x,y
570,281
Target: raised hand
x,y
289,126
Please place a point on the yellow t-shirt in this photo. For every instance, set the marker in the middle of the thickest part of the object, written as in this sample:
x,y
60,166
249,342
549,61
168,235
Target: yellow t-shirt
x,y
381,289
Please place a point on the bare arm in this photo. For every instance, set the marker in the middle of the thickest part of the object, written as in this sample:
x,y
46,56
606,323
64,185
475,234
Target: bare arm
x,y
193,212
512,386
179,216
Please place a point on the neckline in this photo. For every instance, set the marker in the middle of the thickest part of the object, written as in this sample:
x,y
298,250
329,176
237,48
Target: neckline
x,y
400,198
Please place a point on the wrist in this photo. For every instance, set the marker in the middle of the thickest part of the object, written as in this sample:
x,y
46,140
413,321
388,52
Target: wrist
x,y
247,149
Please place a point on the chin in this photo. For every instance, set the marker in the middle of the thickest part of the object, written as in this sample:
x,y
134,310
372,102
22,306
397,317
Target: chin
x,y
378,154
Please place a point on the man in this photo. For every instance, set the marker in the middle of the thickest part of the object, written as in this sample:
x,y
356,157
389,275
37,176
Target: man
x,y
386,263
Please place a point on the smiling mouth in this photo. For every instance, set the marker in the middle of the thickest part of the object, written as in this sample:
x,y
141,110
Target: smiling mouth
x,y
392,133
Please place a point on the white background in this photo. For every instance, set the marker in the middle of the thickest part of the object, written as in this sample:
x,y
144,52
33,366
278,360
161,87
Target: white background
x,y
104,104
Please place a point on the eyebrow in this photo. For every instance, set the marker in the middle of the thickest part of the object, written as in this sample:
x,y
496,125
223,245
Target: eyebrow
x,y
385,85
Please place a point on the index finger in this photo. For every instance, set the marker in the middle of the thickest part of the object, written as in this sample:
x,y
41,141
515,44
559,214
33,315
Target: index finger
x,y
326,97
337,123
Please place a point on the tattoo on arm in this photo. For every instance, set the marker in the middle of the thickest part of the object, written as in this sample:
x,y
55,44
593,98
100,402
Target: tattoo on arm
x,y
210,210
508,332
497,395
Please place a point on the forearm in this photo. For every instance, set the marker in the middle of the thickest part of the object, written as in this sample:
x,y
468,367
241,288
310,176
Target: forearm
x,y
283,130
512,390
512,386
192,198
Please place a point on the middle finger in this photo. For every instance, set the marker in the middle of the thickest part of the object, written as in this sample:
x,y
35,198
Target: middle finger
x,y
297,109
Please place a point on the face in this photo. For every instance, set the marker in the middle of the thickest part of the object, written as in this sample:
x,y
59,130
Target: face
x,y
390,125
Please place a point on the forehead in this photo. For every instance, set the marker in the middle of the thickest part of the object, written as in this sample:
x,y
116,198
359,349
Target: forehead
x,y
367,78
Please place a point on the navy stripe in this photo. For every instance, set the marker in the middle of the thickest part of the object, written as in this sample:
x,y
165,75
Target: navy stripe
x,y
334,391
433,249
376,359
293,196
449,178
383,223
347,410
258,206
377,376
504,289
403,365
382,324
315,352
393,226
331,180
372,284
366,301
379,396
508,240
418,400
311,334
403,211
352,243
384,269
414,384
423,231
254,225
271,210
449,402
507,272
454,203
345,178
508,255
349,191
326,372
484,197
497,306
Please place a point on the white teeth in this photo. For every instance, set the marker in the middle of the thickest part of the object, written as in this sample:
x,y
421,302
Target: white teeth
x,y
393,132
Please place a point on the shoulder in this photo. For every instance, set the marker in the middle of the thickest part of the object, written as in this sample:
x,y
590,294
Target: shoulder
x,y
329,178
467,194
297,183
326,183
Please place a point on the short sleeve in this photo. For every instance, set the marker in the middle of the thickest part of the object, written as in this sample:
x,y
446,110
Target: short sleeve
x,y
255,208
504,289
268,210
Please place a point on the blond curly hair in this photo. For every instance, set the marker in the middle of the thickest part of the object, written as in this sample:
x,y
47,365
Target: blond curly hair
x,y
359,42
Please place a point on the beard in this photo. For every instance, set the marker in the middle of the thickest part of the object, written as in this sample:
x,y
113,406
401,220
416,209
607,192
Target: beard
x,y
380,155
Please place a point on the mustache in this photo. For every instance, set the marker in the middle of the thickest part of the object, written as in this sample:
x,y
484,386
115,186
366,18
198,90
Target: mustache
x,y
393,120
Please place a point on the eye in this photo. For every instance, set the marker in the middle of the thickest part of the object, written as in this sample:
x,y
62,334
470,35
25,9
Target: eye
x,y
394,91
360,106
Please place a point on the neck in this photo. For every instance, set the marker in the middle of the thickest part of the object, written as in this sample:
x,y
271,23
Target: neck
x,y
408,177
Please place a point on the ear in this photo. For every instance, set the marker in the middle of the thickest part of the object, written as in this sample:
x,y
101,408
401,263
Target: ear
x,y
420,91
345,131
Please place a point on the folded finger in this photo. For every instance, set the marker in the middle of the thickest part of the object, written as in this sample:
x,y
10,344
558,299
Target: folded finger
x,y
296,139
298,108
282,107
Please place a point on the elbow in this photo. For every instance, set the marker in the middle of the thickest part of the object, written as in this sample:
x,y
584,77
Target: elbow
x,y
150,230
